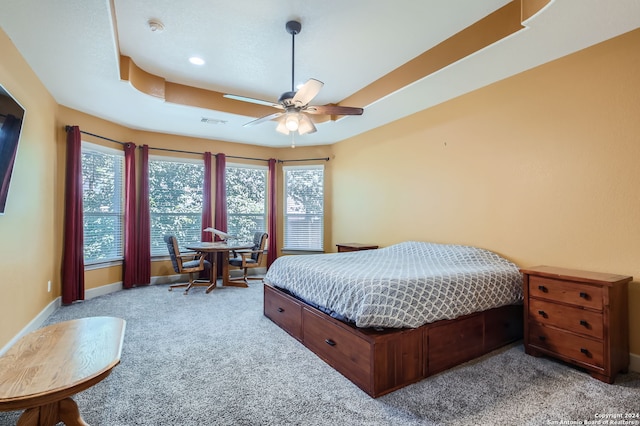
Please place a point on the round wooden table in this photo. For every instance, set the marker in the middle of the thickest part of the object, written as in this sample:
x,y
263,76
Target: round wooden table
x,y
220,252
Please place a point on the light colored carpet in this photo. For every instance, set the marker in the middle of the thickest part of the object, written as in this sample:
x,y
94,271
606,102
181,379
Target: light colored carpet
x,y
214,359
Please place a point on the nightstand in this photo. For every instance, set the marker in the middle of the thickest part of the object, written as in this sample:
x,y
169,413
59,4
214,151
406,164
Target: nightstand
x,y
579,317
354,247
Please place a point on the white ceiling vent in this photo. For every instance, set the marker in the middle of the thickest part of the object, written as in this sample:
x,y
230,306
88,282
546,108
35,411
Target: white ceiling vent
x,y
212,121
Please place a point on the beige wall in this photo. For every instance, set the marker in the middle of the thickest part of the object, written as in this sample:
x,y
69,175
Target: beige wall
x,y
542,167
27,254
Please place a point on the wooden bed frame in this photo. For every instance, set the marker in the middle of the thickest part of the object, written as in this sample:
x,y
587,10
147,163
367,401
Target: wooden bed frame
x,y
380,362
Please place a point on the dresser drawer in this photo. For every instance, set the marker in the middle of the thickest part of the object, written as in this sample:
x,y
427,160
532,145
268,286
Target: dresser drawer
x,y
576,348
577,320
284,311
342,350
584,295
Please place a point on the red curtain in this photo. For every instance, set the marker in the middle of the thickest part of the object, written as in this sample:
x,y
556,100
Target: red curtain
x,y
143,237
207,212
9,136
129,265
221,194
73,251
221,200
272,248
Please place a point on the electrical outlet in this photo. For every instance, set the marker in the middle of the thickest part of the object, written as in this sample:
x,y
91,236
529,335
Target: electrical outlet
x,y
49,286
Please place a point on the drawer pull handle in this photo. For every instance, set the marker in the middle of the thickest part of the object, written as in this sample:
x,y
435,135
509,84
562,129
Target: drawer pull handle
x,y
585,351
584,323
280,310
330,342
543,314
584,295
542,288
542,338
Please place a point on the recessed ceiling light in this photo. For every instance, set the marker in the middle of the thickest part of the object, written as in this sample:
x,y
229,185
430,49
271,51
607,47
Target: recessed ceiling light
x,y
196,60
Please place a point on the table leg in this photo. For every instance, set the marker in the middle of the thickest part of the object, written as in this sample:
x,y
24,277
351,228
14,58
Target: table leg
x,y
65,411
225,273
69,413
213,273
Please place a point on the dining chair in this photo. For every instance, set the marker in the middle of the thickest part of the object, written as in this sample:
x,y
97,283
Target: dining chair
x,y
251,258
188,263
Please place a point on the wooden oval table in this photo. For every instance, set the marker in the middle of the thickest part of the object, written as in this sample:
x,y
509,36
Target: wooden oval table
x,y
45,368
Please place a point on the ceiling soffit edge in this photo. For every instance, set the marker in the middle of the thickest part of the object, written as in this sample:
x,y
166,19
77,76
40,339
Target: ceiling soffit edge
x,y
494,27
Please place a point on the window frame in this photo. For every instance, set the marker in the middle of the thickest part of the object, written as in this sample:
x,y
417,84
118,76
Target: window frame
x,y
171,159
111,261
285,214
265,169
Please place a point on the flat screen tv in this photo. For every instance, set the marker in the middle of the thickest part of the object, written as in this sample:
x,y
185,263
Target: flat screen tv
x,y
11,117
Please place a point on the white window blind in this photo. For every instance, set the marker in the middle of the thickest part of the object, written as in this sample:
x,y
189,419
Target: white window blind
x,y
102,203
304,207
246,200
175,201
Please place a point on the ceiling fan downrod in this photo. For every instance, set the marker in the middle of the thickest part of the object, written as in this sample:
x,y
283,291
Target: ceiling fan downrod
x,y
293,28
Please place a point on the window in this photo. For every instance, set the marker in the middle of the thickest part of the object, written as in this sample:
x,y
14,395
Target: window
x,y
304,208
102,203
246,200
175,201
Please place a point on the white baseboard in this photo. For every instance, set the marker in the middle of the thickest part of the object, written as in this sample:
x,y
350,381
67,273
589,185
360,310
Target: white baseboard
x,y
34,324
40,319
102,290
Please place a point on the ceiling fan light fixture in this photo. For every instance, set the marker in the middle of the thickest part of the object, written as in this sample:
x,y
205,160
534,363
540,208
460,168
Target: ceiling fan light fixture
x,y
292,121
294,105
282,128
306,125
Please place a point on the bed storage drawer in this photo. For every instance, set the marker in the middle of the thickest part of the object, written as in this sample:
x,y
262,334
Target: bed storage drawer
x,y
504,324
284,310
454,342
381,361
338,347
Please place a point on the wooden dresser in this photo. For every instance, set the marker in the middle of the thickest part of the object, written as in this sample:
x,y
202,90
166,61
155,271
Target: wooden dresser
x,y
342,247
579,317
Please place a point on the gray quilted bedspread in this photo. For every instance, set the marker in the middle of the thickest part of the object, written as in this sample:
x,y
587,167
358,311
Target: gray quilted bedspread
x,y
403,285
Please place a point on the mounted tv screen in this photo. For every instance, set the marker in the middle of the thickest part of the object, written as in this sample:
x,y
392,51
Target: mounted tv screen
x,y
11,116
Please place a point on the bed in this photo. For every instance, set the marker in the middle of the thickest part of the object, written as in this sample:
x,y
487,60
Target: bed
x,y
389,317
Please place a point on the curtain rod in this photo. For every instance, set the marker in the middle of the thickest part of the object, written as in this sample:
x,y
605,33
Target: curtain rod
x,y
67,128
305,159
201,153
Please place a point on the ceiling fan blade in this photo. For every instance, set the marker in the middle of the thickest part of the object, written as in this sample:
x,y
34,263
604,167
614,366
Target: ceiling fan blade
x,y
251,100
265,118
306,125
333,110
307,92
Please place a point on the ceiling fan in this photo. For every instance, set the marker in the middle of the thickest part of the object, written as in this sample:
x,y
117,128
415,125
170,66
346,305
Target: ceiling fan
x,y
294,105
